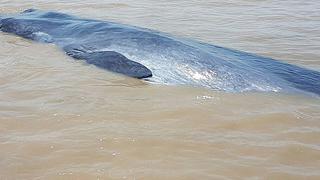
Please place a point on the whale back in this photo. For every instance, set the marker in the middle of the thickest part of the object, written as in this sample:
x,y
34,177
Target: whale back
x,y
168,59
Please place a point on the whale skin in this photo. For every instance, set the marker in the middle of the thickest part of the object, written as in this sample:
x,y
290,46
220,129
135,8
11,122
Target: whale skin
x,y
159,57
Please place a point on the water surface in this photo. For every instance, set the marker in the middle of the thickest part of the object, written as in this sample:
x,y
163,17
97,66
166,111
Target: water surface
x,y
62,119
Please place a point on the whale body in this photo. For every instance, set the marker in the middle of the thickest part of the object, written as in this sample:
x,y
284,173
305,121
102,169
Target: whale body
x,y
159,57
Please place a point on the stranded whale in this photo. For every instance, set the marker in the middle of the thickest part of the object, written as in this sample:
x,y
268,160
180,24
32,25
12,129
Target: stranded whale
x,y
144,53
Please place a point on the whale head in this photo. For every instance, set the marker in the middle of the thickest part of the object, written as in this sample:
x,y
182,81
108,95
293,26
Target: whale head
x,y
1,17
16,26
29,29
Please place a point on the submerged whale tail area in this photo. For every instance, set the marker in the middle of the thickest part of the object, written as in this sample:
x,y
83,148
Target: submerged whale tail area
x,y
141,53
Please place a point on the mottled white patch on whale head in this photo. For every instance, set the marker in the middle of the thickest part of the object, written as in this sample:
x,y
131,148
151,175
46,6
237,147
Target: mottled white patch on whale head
x,y
42,37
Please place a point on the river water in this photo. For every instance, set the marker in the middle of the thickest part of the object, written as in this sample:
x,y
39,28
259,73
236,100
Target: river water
x,y
63,119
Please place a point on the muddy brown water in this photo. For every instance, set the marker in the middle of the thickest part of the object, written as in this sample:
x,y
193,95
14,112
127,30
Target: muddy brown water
x,y
63,119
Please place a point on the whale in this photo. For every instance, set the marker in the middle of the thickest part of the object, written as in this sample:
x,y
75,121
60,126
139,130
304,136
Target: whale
x,y
159,57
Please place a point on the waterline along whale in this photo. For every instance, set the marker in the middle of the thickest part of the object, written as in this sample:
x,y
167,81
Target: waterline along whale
x,y
159,57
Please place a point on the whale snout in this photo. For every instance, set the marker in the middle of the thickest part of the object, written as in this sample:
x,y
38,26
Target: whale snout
x,y
0,22
8,25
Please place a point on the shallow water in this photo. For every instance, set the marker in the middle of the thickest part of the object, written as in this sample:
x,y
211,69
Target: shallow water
x,y
62,119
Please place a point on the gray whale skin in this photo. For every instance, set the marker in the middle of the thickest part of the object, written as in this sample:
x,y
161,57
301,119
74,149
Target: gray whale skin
x,y
159,57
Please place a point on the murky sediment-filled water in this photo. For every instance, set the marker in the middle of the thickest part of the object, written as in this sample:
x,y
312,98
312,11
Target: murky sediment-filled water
x,y
63,119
